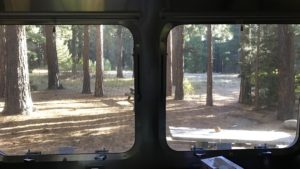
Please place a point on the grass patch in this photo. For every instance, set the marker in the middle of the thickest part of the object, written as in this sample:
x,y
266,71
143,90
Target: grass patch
x,y
117,82
39,81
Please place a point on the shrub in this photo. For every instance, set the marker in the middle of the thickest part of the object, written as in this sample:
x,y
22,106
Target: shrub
x,y
188,87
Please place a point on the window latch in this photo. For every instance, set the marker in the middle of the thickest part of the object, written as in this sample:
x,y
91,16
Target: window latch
x,y
198,152
265,155
101,154
30,154
264,150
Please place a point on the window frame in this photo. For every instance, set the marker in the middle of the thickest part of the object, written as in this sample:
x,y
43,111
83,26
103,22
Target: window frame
x,y
172,20
129,21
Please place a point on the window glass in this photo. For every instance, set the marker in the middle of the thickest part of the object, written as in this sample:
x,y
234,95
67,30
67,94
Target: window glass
x,y
232,86
66,89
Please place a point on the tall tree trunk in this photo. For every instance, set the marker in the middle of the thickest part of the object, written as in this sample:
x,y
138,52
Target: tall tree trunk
x,y
286,74
17,96
178,54
256,102
80,42
2,61
174,59
74,49
99,61
209,97
86,88
120,52
169,65
51,56
245,67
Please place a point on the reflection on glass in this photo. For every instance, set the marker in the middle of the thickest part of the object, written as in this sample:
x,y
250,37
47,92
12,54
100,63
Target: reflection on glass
x,y
232,86
75,83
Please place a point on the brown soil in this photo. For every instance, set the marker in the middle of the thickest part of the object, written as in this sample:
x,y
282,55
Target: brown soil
x,y
67,119
226,114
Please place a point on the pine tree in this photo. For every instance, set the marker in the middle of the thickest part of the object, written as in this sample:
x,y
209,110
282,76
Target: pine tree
x,y
258,43
17,95
86,87
286,94
119,52
51,57
99,61
169,65
178,56
2,61
209,97
245,67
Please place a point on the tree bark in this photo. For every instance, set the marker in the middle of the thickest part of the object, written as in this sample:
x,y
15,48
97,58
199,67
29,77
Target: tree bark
x,y
169,65
2,61
209,97
119,52
174,59
51,57
74,49
256,101
17,96
178,54
245,67
99,61
80,42
86,88
286,74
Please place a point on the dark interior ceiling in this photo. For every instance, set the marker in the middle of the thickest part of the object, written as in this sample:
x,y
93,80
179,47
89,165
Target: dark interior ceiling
x,y
197,6
150,147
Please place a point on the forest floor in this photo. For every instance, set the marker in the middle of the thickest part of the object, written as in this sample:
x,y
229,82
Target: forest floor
x,y
66,120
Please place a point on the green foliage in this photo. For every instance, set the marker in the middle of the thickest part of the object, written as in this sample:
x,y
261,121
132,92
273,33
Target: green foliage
x,y
75,44
225,45
267,61
107,65
268,64
69,41
297,83
226,50
117,82
188,87
109,47
92,66
194,48
35,42
65,63
63,35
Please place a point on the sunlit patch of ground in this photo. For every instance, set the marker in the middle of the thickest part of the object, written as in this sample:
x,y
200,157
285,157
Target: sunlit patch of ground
x,y
64,118
67,118
194,114
226,113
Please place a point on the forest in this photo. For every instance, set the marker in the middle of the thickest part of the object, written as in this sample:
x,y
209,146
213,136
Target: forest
x,y
54,74
265,57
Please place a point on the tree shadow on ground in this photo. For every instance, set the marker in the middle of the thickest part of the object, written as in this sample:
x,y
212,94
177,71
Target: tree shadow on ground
x,y
96,122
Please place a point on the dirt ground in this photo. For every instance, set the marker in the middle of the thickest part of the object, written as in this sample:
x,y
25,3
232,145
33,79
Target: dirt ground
x,y
232,116
68,119
226,113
